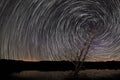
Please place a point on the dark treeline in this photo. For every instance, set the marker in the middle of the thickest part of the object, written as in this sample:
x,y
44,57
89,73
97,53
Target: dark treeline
x,y
11,66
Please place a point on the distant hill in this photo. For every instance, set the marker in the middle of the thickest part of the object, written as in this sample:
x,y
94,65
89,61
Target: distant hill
x,y
12,66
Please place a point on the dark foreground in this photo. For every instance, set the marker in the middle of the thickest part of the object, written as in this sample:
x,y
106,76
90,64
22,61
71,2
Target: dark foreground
x,y
58,70
65,75
18,66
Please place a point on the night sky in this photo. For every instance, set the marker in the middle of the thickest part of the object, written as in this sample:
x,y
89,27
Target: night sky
x,y
54,29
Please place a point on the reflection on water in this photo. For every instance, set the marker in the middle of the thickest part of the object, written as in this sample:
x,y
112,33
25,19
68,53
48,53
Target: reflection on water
x,y
38,75
90,74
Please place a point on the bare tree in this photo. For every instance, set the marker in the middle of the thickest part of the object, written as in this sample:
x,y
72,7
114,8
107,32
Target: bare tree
x,y
80,56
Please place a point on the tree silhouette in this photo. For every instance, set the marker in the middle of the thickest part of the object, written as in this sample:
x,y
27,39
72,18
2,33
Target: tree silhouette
x,y
80,56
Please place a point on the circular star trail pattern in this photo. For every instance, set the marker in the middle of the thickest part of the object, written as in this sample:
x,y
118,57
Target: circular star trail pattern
x,y
52,29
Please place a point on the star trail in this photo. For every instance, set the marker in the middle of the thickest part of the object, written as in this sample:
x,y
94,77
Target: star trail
x,y
50,29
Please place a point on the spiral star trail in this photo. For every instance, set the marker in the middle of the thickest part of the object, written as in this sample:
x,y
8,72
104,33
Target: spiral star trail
x,y
50,29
